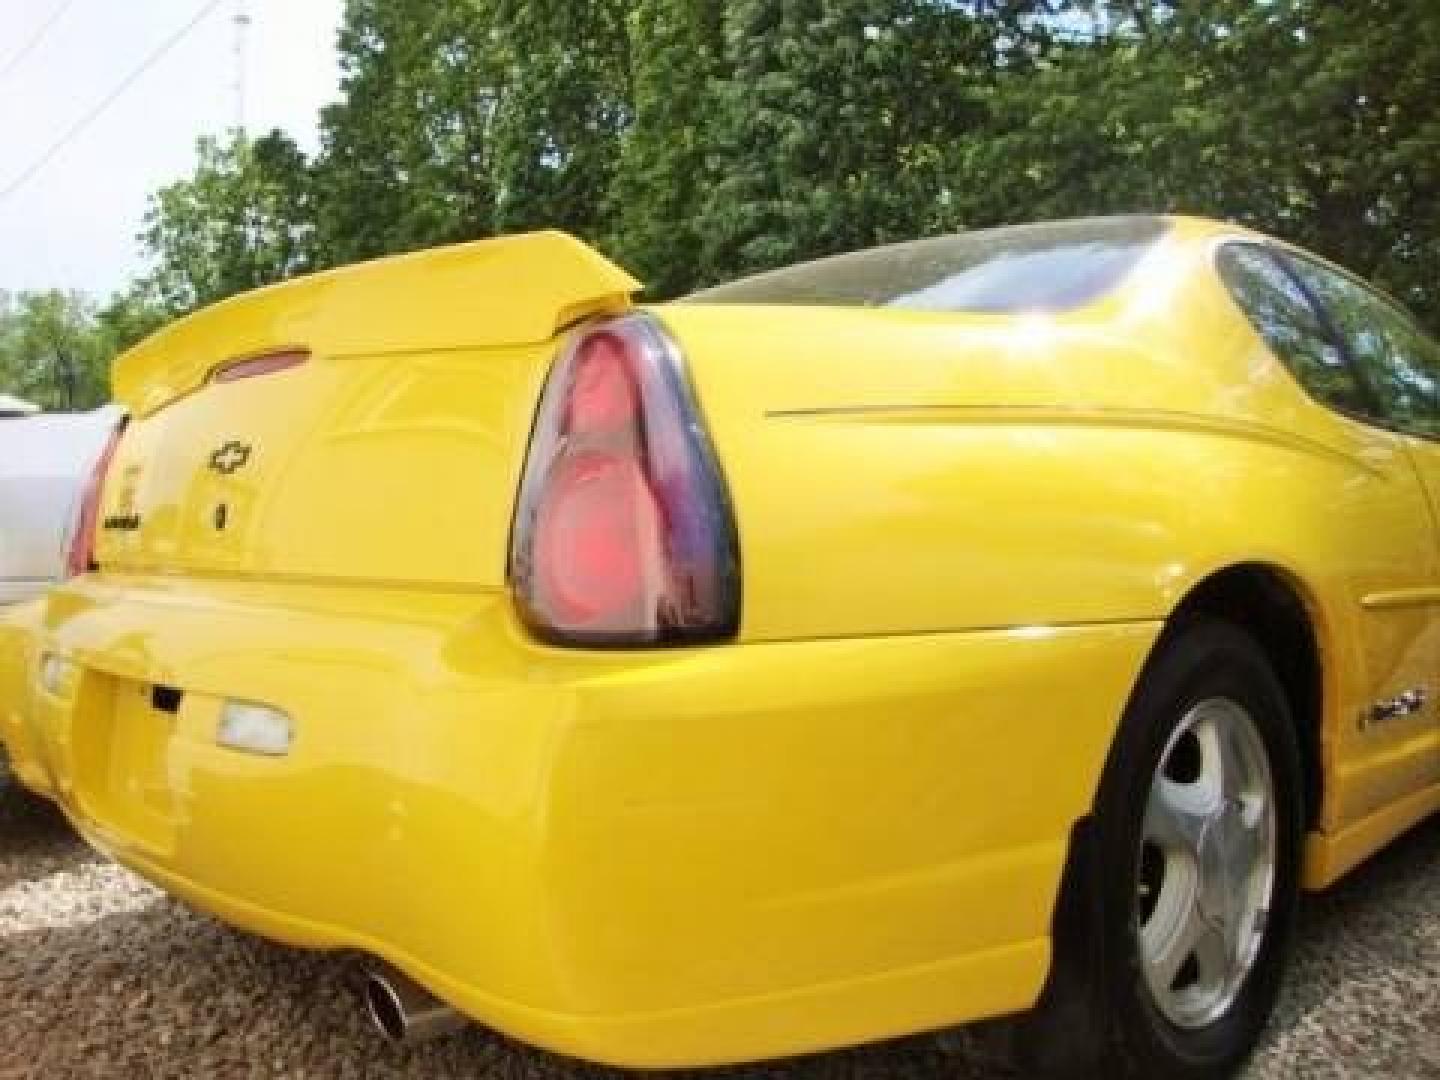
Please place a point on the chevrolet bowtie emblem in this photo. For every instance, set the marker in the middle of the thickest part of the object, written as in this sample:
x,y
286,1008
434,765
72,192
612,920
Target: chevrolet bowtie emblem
x,y
232,457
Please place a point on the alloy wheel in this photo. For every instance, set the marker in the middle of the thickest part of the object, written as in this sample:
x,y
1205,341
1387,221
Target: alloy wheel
x,y
1206,864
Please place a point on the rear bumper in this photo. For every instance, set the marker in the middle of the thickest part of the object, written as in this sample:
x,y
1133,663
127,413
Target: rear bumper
x,y
642,858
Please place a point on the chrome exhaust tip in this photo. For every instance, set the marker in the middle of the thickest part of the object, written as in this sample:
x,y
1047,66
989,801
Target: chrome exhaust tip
x,y
403,1010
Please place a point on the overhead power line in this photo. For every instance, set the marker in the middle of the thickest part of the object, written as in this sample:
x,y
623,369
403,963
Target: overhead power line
x,y
90,117
35,39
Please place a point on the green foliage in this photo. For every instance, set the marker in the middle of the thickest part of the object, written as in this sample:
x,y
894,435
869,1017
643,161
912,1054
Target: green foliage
x,y
49,351
242,220
654,205
699,139
695,140
406,158
564,102
1311,120
128,318
836,120
463,119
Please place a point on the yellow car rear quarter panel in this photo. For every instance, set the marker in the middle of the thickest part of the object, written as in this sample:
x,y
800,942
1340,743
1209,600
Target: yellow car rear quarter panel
x,y
949,490
647,858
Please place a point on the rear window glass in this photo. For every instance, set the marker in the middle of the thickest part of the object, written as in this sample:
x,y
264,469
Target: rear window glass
x,y
1050,266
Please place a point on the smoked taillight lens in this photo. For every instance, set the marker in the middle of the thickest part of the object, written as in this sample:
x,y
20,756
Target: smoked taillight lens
x,y
623,532
81,557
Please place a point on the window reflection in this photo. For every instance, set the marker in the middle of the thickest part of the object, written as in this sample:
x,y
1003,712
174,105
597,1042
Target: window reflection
x,y
1051,266
1394,356
1283,315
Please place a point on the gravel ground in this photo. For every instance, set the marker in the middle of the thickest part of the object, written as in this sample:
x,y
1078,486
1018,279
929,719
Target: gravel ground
x,y
102,976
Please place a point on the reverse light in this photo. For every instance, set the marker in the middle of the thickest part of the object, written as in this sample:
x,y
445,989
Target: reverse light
x,y
81,557
623,533
254,729
58,675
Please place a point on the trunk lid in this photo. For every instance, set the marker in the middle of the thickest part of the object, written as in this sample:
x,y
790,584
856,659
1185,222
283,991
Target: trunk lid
x,y
390,455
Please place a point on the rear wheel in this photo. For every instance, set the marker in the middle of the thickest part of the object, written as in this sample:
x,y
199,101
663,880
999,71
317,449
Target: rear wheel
x,y
1205,865
1175,920
1199,826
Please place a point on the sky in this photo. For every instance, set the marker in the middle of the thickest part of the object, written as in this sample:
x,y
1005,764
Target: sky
x,y
73,224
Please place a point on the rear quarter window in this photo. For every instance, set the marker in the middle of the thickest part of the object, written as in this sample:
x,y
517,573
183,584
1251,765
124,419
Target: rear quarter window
x,y
1052,266
1282,314
1396,359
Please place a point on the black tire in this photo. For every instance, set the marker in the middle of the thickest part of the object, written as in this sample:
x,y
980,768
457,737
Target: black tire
x,y
1200,661
1096,1017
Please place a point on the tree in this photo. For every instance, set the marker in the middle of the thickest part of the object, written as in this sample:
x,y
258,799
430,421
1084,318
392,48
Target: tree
x,y
49,353
240,221
1311,120
564,104
1336,109
463,119
406,154
698,139
836,121
678,52
127,318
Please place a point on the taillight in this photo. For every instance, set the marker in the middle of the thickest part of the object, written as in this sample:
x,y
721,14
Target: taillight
x,y
81,559
623,533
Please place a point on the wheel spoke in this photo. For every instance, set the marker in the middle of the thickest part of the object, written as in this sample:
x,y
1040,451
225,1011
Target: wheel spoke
x,y
1170,941
1175,815
1215,951
1242,843
1235,780
1217,763
1206,862
1253,813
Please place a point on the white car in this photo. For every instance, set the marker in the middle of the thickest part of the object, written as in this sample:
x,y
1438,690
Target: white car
x,y
46,462
46,459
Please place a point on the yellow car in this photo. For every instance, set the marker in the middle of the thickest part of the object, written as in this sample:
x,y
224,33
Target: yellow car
x,y
1007,623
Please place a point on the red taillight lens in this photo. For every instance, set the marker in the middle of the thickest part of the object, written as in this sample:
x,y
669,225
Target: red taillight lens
x,y
81,558
623,534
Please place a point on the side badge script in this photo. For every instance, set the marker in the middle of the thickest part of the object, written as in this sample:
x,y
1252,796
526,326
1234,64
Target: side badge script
x,y
1406,704
124,518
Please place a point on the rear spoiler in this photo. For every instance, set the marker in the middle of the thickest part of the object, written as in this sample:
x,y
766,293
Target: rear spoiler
x,y
511,290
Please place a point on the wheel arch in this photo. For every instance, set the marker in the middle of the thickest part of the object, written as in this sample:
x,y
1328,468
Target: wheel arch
x,y
1274,607
1066,1028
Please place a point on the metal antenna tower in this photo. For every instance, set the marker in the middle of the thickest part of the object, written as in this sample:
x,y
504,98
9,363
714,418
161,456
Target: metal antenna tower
x,y
241,20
